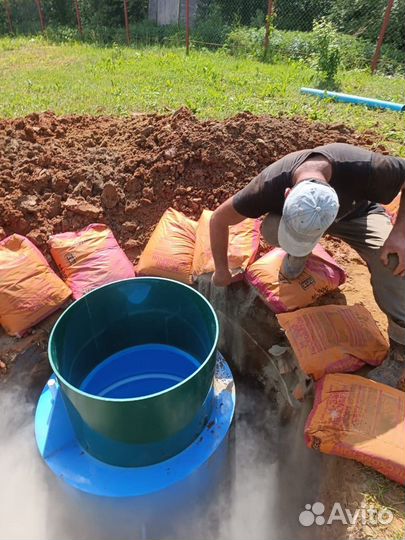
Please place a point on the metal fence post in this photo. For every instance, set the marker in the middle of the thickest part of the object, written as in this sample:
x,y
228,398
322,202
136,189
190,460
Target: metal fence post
x,y
384,26
187,27
127,29
268,22
41,14
9,16
78,17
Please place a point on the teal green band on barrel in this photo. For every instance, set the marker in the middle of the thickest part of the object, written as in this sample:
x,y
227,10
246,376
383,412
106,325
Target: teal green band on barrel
x,y
142,430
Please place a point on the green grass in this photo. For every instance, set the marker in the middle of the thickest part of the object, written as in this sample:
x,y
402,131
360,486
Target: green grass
x,y
77,78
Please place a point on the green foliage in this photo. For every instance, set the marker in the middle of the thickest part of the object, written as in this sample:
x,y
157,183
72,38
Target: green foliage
x,y
361,18
358,16
291,45
107,15
234,12
245,41
258,20
300,14
285,46
143,34
211,26
3,20
326,58
355,53
59,12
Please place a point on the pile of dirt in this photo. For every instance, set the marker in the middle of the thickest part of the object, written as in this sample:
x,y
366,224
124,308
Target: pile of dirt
x,y
61,173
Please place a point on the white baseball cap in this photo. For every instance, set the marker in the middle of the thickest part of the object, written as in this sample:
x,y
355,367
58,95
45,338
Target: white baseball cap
x,y
309,210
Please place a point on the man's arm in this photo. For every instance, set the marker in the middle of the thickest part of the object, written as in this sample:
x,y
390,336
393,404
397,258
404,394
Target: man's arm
x,y
395,243
224,216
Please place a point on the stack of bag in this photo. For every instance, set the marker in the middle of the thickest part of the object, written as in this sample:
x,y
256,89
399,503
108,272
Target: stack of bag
x,y
179,247
30,290
352,416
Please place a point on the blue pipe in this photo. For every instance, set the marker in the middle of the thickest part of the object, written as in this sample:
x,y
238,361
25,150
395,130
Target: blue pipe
x,y
357,100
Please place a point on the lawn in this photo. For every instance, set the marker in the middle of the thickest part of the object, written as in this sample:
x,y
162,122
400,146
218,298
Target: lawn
x,y
76,78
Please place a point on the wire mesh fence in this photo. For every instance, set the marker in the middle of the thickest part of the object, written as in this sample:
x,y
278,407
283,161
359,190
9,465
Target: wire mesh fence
x,y
252,27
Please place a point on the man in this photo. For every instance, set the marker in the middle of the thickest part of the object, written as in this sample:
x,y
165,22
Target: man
x,y
334,189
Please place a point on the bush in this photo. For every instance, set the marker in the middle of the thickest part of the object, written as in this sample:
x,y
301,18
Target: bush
x,y
210,27
355,53
392,61
244,41
326,56
62,34
233,12
149,33
360,18
300,14
145,33
291,45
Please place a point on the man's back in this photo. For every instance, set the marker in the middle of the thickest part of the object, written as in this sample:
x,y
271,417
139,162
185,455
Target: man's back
x,y
358,176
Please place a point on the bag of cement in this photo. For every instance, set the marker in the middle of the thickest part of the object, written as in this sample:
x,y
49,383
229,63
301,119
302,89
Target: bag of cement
x,y
90,258
333,339
169,252
322,274
29,289
359,419
244,242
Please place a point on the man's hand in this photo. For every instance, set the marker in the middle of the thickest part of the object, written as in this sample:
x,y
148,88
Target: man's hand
x,y
224,216
222,277
395,245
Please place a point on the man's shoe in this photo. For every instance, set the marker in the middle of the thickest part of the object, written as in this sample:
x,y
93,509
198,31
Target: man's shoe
x,y
392,370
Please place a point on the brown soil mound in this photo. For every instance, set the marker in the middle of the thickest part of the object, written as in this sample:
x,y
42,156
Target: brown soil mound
x,y
62,173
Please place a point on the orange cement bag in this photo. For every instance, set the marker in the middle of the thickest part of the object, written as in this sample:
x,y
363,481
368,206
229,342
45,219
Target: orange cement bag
x,y
393,207
331,339
169,252
29,289
244,241
322,274
90,258
359,419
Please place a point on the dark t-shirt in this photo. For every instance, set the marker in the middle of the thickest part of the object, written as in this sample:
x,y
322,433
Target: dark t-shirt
x,y
360,177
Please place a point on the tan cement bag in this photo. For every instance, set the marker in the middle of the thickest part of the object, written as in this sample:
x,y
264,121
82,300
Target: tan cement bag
x,y
244,242
333,339
359,419
29,288
169,252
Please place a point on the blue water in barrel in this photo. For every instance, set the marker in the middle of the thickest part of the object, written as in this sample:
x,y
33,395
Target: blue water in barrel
x,y
139,371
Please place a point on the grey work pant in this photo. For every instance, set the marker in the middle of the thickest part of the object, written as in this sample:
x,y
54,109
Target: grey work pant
x,y
366,234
